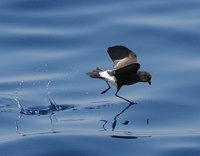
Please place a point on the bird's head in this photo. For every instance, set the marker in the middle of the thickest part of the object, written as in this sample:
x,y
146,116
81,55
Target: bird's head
x,y
144,77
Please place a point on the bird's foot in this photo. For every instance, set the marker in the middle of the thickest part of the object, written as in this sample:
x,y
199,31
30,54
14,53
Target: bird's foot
x,y
133,103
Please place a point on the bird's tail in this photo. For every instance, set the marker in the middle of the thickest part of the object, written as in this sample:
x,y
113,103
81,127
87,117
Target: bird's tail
x,y
95,73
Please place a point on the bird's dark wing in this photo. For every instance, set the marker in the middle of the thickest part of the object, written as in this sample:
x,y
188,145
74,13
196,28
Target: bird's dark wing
x,y
132,68
122,56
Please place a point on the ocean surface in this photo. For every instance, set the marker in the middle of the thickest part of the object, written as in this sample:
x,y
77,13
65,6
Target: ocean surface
x,y
50,107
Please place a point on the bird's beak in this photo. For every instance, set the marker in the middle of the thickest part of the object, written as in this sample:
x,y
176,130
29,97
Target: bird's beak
x,y
149,82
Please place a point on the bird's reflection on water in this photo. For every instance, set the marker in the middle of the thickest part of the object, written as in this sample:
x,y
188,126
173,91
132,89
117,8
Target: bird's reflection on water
x,y
115,119
103,126
128,135
51,110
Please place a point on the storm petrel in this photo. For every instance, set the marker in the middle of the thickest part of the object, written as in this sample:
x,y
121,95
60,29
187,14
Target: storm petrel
x,y
125,71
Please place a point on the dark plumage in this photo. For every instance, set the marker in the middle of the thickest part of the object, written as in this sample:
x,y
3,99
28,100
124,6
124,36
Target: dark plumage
x,y
125,70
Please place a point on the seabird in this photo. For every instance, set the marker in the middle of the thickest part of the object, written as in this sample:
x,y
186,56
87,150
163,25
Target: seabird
x,y
125,71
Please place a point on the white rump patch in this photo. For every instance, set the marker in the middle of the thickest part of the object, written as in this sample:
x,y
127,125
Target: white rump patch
x,y
107,77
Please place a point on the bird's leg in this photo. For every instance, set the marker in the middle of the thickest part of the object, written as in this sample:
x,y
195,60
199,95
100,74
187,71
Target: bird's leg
x,y
106,89
124,98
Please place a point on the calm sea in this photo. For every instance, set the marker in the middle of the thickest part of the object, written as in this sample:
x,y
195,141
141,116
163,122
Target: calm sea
x,y
47,46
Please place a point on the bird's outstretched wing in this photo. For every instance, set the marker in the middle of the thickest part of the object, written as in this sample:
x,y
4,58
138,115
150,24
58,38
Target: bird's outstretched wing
x,y
132,68
122,56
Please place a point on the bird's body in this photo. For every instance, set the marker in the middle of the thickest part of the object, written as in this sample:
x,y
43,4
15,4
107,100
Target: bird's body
x,y
109,77
125,71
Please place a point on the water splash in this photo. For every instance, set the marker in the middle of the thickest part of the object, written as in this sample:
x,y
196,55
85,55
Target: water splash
x,y
19,88
47,88
42,110
17,96
54,106
21,109
51,100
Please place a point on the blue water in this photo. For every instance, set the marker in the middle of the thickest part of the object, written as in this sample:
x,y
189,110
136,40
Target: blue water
x,y
47,47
